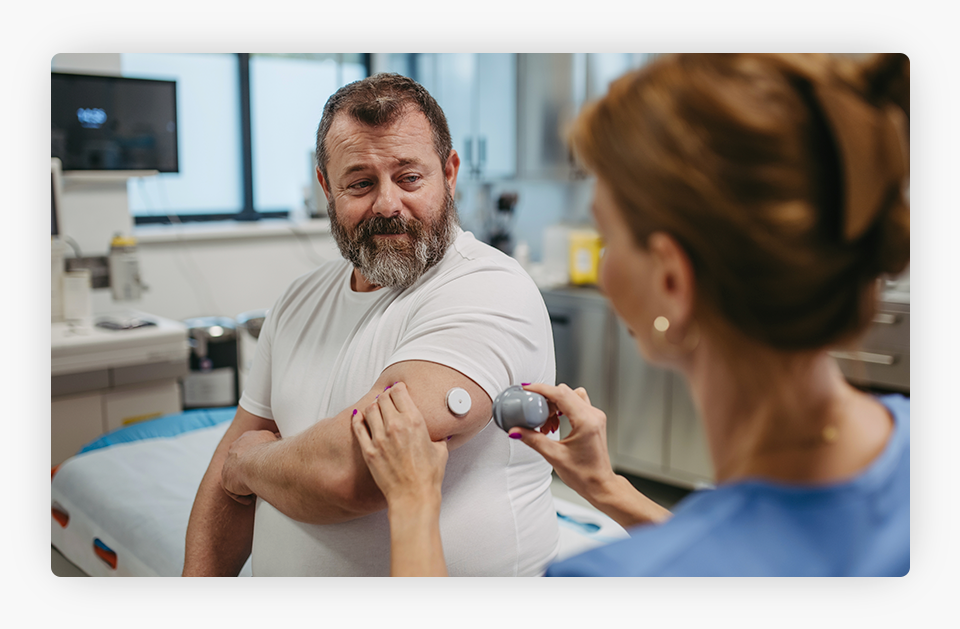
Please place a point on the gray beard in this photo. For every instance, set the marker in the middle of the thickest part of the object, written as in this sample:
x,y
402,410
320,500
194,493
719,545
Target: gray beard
x,y
396,263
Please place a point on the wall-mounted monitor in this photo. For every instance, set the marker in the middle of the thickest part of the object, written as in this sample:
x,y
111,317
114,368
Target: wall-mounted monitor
x,y
109,123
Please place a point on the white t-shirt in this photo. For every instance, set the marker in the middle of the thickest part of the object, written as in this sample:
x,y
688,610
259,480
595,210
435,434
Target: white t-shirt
x,y
324,345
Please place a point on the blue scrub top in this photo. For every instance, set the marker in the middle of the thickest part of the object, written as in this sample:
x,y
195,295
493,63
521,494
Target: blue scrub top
x,y
758,528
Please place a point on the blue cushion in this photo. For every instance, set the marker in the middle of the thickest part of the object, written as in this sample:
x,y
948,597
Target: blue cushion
x,y
166,426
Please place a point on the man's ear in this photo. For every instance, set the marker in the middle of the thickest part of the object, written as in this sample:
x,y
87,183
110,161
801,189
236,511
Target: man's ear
x,y
675,279
450,170
323,184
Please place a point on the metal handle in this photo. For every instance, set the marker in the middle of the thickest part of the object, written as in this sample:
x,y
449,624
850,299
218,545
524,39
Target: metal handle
x,y
866,357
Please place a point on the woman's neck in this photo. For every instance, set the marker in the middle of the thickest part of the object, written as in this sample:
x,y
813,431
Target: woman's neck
x,y
784,416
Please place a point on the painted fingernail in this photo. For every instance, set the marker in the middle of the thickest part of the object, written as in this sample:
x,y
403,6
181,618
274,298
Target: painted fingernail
x,y
524,384
387,387
354,411
516,435
450,437
559,413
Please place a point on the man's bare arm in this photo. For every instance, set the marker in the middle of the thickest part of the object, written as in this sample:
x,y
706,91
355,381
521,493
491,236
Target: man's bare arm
x,y
319,475
220,530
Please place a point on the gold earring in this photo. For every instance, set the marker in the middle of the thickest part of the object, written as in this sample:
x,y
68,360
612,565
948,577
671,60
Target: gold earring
x,y
690,340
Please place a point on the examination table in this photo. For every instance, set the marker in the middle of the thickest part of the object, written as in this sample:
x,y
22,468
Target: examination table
x,y
120,506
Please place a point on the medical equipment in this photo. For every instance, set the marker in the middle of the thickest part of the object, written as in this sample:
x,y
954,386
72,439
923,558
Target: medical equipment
x,y
125,281
458,401
516,407
112,123
213,379
77,303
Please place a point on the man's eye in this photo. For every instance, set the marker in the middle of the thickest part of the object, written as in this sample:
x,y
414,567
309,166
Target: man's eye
x,y
410,178
360,185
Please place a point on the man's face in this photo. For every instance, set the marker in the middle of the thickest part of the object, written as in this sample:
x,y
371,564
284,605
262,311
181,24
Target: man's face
x,y
391,200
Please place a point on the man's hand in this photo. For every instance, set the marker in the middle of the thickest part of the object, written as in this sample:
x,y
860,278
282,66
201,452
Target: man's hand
x,y
240,453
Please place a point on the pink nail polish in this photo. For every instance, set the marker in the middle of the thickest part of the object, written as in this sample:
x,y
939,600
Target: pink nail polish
x,y
516,435
354,411
450,437
524,384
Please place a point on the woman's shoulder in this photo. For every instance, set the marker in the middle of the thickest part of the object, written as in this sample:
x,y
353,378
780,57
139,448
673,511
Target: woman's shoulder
x,y
755,528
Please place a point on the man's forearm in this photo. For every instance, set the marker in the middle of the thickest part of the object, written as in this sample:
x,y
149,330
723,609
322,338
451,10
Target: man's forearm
x,y
313,477
220,530
219,533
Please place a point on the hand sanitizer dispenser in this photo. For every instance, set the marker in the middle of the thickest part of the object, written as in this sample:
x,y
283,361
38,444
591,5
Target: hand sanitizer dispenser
x,y
124,269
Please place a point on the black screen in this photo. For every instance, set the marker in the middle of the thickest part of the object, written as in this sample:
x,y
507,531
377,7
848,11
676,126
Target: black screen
x,y
54,225
113,123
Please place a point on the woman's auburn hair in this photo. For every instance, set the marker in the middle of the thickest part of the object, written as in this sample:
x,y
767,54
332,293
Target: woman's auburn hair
x,y
730,154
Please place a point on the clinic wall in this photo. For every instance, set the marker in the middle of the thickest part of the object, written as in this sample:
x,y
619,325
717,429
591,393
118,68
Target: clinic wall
x,y
184,278
225,277
92,210
220,277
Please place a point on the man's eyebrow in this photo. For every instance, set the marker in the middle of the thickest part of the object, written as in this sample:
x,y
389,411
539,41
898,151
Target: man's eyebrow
x,y
399,163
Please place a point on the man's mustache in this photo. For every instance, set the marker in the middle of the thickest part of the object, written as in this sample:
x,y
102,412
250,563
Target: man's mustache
x,y
382,225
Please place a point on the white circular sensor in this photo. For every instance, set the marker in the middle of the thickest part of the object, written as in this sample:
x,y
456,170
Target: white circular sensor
x,y
458,401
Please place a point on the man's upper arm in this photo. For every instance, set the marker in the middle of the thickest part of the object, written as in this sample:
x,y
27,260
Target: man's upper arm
x,y
335,467
428,384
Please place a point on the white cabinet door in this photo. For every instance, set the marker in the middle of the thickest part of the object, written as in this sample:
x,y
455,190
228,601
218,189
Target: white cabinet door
x,y
453,87
640,412
496,118
478,95
128,405
75,420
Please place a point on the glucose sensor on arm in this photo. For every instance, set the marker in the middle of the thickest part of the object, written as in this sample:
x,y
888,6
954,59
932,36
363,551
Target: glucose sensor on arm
x,y
458,401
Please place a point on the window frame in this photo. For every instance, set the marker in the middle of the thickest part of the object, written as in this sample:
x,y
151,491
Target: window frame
x,y
247,213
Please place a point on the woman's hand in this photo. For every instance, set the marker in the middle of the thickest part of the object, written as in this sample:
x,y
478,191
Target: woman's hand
x,y
407,466
581,459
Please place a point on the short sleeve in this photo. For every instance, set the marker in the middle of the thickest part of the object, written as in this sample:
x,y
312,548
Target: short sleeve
x,y
258,384
490,325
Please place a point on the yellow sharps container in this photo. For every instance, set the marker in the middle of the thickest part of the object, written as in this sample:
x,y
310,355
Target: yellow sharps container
x,y
585,249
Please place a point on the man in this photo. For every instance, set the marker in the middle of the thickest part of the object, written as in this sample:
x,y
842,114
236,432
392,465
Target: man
x,y
417,301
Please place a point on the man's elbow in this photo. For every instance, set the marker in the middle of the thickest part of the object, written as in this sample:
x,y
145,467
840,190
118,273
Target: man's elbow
x,y
340,499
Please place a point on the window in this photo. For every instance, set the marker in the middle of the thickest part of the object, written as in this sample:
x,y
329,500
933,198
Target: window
x,y
287,95
247,129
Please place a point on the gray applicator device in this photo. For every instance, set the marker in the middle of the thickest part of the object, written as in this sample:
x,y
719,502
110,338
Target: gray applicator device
x,y
516,407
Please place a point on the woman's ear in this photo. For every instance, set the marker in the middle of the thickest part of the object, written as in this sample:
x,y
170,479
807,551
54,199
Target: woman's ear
x,y
674,279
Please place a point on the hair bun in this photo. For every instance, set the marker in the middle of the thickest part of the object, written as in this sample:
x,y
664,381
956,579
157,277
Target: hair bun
x,y
885,78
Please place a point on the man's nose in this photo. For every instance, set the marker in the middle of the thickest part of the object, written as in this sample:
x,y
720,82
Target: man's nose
x,y
388,201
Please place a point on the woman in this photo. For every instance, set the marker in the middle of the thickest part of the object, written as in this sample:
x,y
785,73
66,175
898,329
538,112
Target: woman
x,y
748,204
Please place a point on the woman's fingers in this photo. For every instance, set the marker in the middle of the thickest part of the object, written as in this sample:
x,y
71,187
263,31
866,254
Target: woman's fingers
x,y
374,420
571,403
399,397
